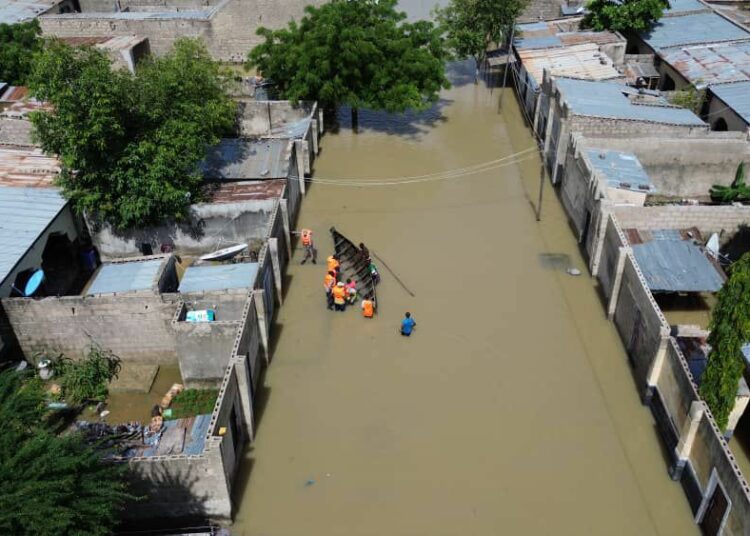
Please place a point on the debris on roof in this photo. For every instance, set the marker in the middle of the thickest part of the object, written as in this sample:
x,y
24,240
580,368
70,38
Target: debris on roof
x,y
241,159
621,170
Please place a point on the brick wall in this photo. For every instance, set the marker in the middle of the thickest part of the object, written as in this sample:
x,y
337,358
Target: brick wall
x,y
707,218
613,128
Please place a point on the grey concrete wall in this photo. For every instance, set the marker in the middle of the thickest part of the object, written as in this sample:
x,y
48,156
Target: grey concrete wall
x,y
135,327
707,218
682,166
675,385
614,128
209,227
638,320
717,109
612,241
575,190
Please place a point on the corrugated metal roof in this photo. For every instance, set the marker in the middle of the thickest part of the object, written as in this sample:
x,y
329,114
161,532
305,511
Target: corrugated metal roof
x,y
236,192
692,30
21,109
24,215
544,41
712,64
14,93
622,170
580,61
14,11
27,167
125,276
736,96
681,6
240,159
549,35
218,277
676,266
606,99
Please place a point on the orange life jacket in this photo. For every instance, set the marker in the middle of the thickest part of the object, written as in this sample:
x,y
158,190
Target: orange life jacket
x,y
333,264
329,281
368,308
306,237
339,294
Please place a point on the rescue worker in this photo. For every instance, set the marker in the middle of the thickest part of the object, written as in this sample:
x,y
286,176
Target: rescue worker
x,y
351,291
368,307
308,244
329,281
333,265
339,296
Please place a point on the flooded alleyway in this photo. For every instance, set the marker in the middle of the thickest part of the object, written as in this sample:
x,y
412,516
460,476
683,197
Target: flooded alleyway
x,y
511,410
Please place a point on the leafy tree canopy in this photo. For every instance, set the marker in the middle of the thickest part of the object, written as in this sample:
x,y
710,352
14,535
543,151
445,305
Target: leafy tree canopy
x,y
130,145
355,52
49,484
730,330
18,43
473,26
628,15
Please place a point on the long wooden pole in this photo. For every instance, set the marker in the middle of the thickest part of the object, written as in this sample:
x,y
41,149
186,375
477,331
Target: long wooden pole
x,y
393,273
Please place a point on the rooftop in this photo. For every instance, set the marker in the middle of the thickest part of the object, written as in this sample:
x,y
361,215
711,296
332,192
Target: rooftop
x,y
25,214
535,35
218,277
736,96
125,277
621,170
27,167
608,100
10,93
117,43
683,6
14,11
579,61
693,29
711,64
237,192
241,159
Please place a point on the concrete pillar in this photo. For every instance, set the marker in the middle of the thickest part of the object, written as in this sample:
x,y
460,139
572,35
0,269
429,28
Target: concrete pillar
x,y
687,438
562,148
244,380
548,126
535,124
284,206
320,121
315,139
657,365
617,283
598,238
260,311
306,156
273,249
300,165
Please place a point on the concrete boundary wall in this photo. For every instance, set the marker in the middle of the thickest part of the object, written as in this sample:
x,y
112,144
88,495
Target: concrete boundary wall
x,y
707,218
608,257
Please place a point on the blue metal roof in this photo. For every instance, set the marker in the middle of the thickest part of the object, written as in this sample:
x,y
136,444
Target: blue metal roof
x,y
218,277
544,41
679,6
676,266
606,99
125,277
736,96
622,170
532,26
692,29
713,64
25,213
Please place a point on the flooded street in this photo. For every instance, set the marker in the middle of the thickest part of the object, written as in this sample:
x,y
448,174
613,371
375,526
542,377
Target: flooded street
x,y
511,410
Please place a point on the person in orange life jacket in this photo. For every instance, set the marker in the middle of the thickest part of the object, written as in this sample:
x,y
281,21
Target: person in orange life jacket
x,y
334,265
329,281
339,296
368,307
351,291
308,244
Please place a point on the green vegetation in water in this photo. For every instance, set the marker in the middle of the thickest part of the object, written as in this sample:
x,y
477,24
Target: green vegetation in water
x,y
730,330
738,191
86,380
51,484
193,402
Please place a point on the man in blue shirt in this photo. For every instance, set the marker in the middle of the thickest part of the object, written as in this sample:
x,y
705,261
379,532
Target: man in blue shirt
x,y
407,325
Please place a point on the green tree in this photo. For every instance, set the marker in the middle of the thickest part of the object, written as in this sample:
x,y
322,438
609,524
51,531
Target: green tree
x,y
738,191
18,43
49,484
628,15
355,52
730,330
130,145
473,26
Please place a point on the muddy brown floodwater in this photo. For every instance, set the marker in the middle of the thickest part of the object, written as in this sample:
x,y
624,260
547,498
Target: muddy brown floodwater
x,y
511,410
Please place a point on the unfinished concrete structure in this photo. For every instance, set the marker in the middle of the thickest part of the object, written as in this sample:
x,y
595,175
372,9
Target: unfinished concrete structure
x,y
226,26
125,51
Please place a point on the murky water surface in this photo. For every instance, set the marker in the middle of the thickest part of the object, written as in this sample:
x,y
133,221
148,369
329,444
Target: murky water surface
x,y
511,410
133,406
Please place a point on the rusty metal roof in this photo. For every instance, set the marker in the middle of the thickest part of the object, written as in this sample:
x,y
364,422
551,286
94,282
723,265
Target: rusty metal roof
x,y
236,192
537,35
580,61
14,93
27,167
711,64
21,109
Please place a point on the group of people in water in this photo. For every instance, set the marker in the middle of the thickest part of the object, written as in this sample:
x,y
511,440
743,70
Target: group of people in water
x,y
340,293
